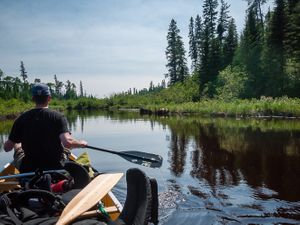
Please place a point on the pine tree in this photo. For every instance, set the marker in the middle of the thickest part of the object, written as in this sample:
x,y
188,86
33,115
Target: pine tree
x,y
175,53
210,16
230,43
23,72
151,86
70,90
193,46
198,41
58,87
209,51
51,88
1,75
1,84
182,69
255,6
171,53
16,88
8,87
80,89
25,86
222,29
250,54
292,47
292,36
273,54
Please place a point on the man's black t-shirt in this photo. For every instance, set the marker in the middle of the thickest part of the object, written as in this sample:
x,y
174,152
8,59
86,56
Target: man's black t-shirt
x,y
38,130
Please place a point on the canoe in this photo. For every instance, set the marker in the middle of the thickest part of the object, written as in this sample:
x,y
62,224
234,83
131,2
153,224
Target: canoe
x,y
141,205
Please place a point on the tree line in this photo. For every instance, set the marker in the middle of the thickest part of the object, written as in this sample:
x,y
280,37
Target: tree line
x,y
264,60
20,88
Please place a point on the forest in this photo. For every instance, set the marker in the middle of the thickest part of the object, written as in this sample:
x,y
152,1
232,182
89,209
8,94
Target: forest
x,y
261,65
263,61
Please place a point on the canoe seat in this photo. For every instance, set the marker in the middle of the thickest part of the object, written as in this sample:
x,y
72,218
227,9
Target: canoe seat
x,y
141,204
78,173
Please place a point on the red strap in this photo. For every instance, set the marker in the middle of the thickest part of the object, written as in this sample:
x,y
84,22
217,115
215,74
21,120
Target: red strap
x,y
58,187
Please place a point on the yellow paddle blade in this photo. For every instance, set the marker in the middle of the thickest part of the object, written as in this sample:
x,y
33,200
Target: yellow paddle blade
x,y
88,197
84,160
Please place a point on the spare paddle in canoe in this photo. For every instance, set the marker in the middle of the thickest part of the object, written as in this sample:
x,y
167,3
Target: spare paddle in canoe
x,y
88,197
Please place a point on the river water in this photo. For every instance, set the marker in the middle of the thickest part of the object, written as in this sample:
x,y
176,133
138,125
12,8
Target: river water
x,y
215,171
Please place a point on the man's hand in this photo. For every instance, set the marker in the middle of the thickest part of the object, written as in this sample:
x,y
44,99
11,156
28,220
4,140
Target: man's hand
x,y
69,142
9,145
82,143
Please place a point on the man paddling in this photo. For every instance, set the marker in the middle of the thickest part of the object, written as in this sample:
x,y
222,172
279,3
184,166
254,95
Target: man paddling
x,y
42,133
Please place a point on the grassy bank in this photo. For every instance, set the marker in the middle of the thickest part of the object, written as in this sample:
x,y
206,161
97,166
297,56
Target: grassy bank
x,y
12,108
278,107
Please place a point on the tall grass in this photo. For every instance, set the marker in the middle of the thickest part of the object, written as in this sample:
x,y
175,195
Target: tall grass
x,y
282,107
13,107
286,107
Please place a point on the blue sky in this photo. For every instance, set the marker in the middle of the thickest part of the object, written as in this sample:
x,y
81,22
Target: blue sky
x,y
110,45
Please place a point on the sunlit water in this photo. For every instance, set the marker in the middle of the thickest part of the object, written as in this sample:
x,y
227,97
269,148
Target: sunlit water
x,y
215,171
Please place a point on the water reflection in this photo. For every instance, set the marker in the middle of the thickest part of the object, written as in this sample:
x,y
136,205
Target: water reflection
x,y
210,161
226,152
177,155
225,155
248,168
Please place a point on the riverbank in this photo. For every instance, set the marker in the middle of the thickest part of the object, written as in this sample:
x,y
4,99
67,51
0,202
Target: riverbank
x,y
10,109
239,108
262,108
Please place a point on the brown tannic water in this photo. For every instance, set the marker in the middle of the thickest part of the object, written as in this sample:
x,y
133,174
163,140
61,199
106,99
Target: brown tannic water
x,y
215,171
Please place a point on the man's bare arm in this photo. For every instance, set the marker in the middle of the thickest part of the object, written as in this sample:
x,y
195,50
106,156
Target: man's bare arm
x,y
69,142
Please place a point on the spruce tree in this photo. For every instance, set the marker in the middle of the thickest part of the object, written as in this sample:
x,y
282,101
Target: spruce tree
x,y
1,75
171,52
292,47
222,29
292,35
182,68
175,54
256,6
1,84
230,43
192,44
209,51
273,54
25,86
58,87
250,54
198,41
80,89
23,72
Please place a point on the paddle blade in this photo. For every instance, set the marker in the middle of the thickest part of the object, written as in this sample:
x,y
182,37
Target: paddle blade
x,y
143,158
88,197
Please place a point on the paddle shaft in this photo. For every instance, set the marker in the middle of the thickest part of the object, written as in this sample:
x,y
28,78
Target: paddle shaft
x,y
20,175
123,154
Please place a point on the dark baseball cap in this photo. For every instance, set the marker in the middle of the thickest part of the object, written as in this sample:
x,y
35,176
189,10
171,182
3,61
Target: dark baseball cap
x,y
40,89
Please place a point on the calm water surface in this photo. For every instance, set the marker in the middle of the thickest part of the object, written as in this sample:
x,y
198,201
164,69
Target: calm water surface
x,y
215,171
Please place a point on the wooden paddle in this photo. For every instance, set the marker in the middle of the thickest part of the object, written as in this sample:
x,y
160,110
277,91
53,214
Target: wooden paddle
x,y
88,197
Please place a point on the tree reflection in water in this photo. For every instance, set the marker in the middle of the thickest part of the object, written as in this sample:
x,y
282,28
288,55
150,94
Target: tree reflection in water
x,y
241,169
230,155
177,155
